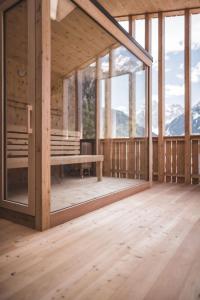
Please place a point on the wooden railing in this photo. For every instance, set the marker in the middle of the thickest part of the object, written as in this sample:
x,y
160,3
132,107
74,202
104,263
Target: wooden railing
x,y
174,159
125,157
128,158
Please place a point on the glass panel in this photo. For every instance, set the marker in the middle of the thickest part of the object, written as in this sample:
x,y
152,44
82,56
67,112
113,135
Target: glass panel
x,y
120,106
16,103
104,66
102,84
174,76
140,103
195,73
124,62
69,105
140,32
154,52
121,94
124,24
88,84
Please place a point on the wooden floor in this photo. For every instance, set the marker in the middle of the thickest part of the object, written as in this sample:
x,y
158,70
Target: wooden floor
x,y
144,247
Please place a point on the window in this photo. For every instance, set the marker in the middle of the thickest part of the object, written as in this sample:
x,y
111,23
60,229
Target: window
x,y
195,73
88,101
126,88
124,24
154,52
120,106
140,32
70,103
174,76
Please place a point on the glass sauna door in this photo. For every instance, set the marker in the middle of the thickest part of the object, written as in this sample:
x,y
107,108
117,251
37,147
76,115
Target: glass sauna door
x,y
18,110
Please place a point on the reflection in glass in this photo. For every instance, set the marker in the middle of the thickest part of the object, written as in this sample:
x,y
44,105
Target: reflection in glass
x,y
88,85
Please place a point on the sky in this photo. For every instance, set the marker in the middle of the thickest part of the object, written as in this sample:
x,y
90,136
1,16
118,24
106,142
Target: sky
x,y
174,59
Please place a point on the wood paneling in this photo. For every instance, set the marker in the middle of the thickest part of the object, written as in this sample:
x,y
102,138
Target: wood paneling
x,y
127,7
75,40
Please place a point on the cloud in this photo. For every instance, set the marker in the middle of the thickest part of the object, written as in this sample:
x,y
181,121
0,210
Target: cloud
x,y
180,76
196,73
174,90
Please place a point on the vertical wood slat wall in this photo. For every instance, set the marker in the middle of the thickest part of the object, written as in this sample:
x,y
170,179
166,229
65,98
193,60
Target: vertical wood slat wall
x,y
175,159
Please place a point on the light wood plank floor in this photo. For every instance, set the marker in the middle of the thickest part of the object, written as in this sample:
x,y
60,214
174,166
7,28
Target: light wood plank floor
x,y
144,247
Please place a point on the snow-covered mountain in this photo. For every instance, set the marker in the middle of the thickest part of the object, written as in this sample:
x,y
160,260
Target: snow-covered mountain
x,y
176,126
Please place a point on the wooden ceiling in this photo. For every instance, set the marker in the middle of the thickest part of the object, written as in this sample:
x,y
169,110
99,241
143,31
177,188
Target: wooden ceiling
x,y
75,40
128,7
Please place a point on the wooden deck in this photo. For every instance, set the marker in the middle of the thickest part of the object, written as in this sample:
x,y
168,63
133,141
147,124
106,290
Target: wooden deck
x,y
144,247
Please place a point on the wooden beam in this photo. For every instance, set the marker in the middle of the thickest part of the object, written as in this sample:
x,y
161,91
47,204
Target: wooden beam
x,y
99,16
31,102
43,116
97,106
1,113
130,25
187,96
148,103
64,8
161,104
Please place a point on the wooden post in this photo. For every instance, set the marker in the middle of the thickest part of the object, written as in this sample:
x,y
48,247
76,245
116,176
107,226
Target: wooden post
x,y
97,107
2,122
187,97
148,104
130,25
43,95
161,104
77,103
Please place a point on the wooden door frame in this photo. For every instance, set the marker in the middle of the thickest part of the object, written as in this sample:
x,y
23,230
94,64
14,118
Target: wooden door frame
x,y
30,209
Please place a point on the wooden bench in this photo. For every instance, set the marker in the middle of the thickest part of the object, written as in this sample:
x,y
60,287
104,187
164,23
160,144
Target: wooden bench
x,y
65,150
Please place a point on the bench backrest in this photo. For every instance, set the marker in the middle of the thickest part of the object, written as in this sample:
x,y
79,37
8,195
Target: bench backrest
x,y
63,143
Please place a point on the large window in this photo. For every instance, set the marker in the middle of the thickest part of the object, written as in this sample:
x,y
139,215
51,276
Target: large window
x,y
195,73
88,101
140,31
154,52
122,95
124,24
174,76
120,106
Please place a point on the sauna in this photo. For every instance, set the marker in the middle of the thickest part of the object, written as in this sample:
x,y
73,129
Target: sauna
x,y
75,109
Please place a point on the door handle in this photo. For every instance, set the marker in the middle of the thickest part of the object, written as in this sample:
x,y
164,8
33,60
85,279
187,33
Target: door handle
x,y
29,111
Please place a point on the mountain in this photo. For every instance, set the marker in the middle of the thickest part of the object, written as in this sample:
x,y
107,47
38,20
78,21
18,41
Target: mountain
x,y
121,119
176,126
174,121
